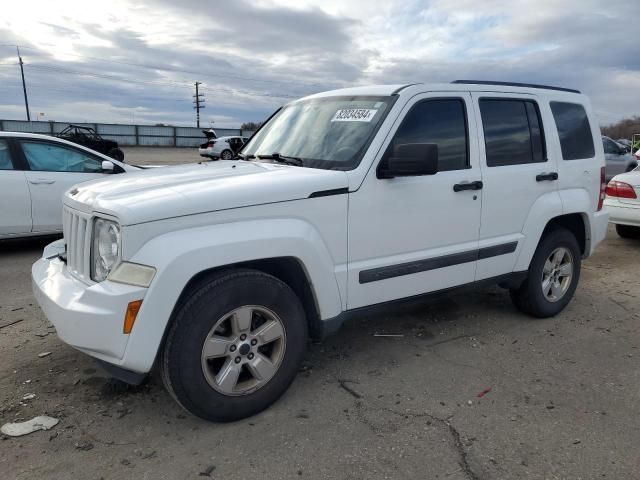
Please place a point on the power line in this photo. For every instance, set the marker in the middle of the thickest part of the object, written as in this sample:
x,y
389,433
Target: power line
x,y
103,76
149,82
177,70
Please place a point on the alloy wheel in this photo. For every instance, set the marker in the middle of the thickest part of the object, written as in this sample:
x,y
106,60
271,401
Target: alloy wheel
x,y
243,350
557,274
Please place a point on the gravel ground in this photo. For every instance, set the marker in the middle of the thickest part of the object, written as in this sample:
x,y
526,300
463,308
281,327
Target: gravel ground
x,y
564,401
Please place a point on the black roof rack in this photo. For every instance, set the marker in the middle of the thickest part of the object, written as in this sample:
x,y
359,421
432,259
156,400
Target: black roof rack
x,y
399,89
514,84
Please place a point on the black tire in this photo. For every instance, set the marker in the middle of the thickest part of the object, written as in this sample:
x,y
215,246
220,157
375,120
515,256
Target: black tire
x,y
529,298
226,155
628,231
116,154
180,363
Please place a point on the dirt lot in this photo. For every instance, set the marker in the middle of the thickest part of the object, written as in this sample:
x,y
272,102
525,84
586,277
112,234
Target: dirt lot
x,y
160,156
564,400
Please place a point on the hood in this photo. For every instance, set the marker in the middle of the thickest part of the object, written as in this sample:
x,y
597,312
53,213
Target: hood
x,y
173,191
632,178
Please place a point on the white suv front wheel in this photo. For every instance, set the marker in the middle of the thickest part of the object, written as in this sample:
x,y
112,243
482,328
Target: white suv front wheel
x,y
234,346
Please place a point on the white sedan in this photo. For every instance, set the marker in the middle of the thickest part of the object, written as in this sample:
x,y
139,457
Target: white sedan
x,y
623,203
35,170
222,147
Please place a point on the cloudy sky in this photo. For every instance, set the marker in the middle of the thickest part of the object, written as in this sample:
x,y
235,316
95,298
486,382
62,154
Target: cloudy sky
x,y
136,60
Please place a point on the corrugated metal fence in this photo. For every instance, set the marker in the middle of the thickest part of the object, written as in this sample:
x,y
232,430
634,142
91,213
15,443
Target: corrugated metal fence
x,y
127,135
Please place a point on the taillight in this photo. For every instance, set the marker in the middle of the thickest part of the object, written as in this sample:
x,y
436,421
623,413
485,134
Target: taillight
x,y
620,190
603,188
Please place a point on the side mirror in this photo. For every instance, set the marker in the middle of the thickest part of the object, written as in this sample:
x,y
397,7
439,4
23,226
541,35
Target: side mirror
x,y
107,166
409,160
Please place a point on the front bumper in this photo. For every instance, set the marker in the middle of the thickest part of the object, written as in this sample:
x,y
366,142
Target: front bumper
x,y
623,213
87,317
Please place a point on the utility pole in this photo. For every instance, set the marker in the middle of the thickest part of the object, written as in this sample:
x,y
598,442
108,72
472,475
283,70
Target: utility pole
x,y
198,101
24,86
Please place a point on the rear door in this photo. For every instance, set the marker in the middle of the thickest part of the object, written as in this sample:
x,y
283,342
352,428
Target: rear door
x,y
53,169
14,193
517,172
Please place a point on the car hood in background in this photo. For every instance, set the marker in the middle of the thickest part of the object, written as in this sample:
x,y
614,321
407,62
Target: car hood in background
x,y
174,191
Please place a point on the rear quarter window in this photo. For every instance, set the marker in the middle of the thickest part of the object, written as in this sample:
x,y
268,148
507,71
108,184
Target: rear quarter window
x,y
574,130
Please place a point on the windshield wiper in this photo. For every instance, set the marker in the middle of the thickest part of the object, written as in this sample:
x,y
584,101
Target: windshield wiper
x,y
282,159
243,156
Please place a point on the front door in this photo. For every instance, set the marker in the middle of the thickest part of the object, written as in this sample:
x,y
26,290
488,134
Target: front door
x,y
412,235
55,168
14,194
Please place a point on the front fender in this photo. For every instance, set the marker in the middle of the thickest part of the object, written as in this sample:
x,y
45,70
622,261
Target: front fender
x,y
180,255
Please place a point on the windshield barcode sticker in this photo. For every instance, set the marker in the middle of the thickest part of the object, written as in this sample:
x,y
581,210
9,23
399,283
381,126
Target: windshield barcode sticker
x,y
354,115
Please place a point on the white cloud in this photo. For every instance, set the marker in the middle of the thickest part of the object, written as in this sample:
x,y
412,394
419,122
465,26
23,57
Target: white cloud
x,y
248,53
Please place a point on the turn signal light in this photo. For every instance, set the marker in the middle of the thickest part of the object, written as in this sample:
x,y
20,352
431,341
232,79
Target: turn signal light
x,y
620,190
130,317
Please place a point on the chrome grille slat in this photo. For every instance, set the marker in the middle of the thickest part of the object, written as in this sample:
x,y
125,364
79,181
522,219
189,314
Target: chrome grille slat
x,y
71,255
77,236
82,233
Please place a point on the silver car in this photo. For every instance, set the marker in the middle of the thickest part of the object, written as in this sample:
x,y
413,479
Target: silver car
x,y
618,160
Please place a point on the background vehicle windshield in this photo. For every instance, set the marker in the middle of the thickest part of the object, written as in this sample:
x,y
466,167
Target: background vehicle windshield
x,y
330,132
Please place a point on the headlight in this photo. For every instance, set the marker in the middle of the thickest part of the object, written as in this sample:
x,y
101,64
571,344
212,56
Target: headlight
x,y
105,250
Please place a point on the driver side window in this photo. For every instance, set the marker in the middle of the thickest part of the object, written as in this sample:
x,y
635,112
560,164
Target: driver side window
x,y
439,121
50,157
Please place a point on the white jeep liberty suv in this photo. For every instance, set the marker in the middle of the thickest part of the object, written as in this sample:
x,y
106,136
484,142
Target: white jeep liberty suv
x,y
217,273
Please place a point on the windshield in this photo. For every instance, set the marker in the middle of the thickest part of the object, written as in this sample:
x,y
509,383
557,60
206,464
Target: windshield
x,y
329,132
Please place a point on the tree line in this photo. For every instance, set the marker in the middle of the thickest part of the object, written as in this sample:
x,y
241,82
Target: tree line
x,y
624,128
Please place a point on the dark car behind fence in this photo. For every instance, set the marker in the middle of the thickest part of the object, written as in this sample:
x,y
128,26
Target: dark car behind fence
x,y
128,135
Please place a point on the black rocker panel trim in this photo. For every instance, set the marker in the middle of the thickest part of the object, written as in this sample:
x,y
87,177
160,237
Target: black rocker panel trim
x,y
399,270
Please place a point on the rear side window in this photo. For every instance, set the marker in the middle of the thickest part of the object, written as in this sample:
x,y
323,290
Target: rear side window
x,y
574,130
440,121
513,132
5,156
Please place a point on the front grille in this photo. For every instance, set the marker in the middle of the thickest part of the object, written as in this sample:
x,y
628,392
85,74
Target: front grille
x,y
76,229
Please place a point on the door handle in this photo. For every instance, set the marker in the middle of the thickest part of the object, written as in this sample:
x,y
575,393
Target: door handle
x,y
547,176
41,181
458,187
